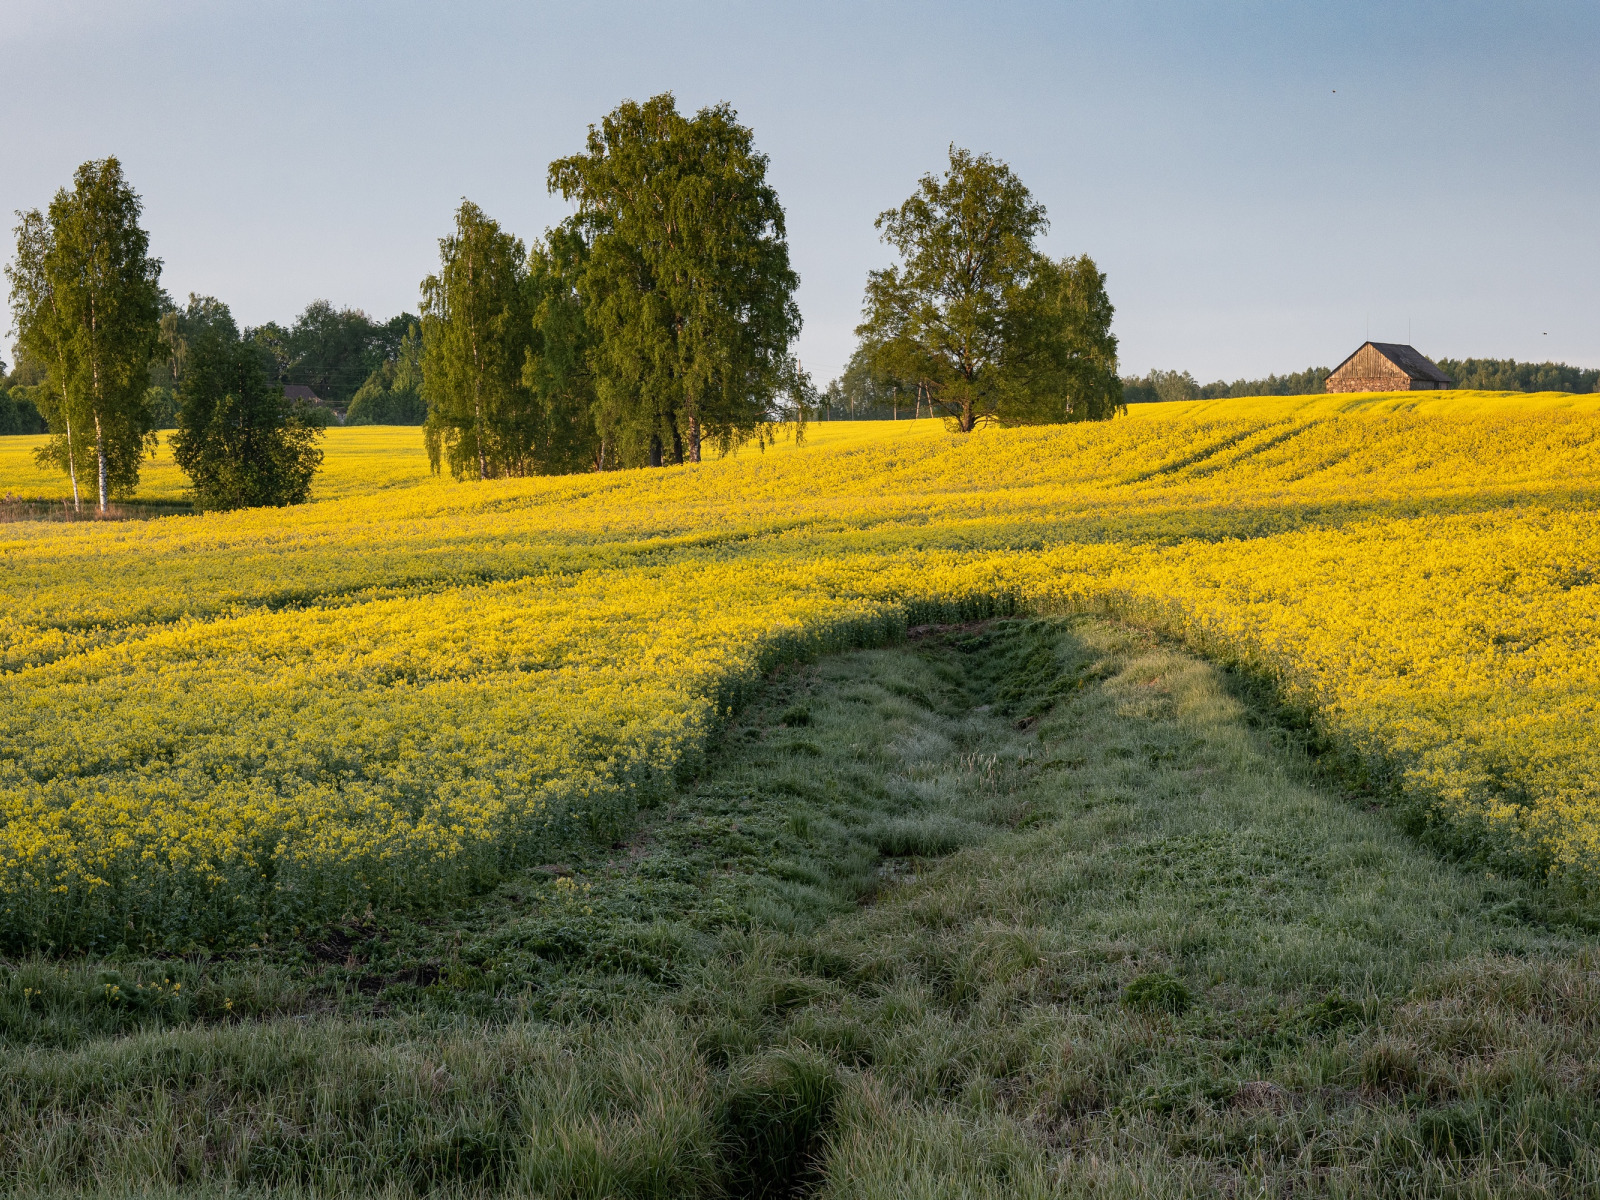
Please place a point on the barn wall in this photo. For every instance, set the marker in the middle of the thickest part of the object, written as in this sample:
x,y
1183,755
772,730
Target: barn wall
x,y
1369,371
1370,383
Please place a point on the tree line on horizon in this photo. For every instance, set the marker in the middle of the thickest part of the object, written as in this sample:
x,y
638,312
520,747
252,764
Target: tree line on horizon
x,y
654,324
1470,374
360,368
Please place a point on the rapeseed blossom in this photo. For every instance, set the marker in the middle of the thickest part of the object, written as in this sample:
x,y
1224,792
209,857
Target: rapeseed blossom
x,y
219,727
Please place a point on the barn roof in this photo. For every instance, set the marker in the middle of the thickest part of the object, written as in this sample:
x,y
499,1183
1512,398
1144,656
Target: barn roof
x,y
299,391
1410,360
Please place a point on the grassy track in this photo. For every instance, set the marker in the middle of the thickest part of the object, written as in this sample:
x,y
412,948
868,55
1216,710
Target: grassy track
x,y
1025,909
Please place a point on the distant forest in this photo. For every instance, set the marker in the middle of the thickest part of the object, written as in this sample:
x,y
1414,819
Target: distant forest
x,y
368,373
1476,374
363,371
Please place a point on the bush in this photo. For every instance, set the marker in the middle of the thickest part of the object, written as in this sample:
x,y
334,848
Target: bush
x,y
19,414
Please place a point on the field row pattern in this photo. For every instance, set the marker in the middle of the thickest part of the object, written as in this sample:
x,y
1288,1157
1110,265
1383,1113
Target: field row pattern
x,y
226,727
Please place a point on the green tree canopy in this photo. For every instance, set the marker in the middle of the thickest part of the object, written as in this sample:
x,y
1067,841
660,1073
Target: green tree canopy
x,y
557,371
1508,375
181,326
86,298
1064,355
238,441
392,394
333,351
476,328
978,320
177,326
18,413
863,393
687,288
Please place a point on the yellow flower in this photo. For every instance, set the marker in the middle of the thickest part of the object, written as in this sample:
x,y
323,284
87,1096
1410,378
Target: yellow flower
x,y
240,722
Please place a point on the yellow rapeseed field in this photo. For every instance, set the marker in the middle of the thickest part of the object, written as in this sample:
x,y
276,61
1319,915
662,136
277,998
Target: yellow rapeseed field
x,y
225,727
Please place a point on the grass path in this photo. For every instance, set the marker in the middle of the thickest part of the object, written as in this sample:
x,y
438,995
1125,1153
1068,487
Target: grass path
x,y
1028,909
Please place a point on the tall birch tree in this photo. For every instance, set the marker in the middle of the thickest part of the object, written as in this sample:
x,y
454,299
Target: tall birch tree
x,y
687,288
86,297
476,328
558,371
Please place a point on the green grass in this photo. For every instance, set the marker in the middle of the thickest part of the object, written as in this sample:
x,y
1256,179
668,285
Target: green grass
x,y
1023,909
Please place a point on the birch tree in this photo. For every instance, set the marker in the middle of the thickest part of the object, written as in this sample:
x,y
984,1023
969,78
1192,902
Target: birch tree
x,y
558,370
86,299
686,283
475,333
982,325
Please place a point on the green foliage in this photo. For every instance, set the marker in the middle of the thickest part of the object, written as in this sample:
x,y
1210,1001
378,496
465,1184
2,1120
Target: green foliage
x,y
1161,387
27,372
392,394
476,330
861,393
686,285
504,362
1295,383
1167,386
329,351
18,412
333,351
178,327
1508,375
86,299
1065,355
1476,374
163,405
238,441
975,321
558,370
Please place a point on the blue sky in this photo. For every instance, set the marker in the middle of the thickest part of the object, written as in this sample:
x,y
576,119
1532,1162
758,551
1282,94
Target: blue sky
x,y
1264,183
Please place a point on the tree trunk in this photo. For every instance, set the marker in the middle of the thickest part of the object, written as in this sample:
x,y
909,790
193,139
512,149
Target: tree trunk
x,y
72,467
66,416
94,368
694,439
483,463
477,383
655,449
100,453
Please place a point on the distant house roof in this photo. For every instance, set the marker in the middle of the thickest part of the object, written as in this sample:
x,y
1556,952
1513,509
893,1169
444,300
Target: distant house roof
x,y
299,391
1407,358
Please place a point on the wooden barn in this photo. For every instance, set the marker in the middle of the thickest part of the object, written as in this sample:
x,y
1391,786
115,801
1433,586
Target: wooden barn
x,y
1387,367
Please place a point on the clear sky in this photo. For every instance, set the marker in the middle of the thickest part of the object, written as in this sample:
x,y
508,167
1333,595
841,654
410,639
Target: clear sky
x,y
1264,183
